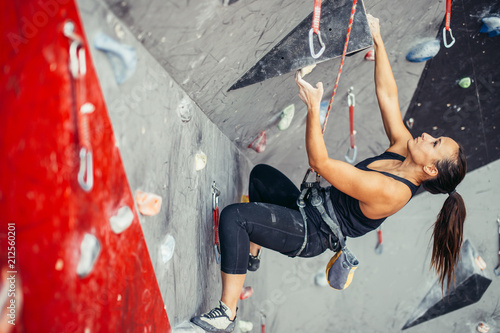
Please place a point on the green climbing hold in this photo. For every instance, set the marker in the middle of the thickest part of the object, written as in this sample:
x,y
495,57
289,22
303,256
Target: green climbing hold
x,y
286,117
465,82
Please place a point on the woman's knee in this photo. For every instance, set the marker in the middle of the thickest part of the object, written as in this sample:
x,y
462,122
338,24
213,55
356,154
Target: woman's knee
x,y
229,217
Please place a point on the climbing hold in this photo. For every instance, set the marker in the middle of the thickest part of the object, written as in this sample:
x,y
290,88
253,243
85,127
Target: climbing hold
x,y
370,55
246,292
148,203
286,117
244,198
167,248
185,110
245,326
465,82
480,263
122,57
323,110
424,51
469,286
306,70
259,144
410,123
320,279
122,220
483,327
89,251
491,25
59,264
200,161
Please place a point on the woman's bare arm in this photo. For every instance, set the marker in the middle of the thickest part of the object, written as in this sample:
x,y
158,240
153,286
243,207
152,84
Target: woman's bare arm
x,y
387,94
378,195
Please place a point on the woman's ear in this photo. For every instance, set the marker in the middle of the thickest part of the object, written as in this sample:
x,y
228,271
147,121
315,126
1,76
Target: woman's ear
x,y
431,170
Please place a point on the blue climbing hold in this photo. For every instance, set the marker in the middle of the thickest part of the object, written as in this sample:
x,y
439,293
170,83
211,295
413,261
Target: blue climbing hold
x,y
491,25
424,51
122,57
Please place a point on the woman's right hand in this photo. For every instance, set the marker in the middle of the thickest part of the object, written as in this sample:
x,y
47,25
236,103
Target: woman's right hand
x,y
374,24
308,94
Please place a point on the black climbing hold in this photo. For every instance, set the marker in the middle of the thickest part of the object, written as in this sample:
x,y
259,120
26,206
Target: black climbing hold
x,y
471,283
292,52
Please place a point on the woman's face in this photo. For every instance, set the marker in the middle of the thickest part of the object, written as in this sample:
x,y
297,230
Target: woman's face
x,y
426,150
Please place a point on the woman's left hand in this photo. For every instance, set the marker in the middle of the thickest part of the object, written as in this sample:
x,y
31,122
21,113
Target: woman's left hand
x,y
308,94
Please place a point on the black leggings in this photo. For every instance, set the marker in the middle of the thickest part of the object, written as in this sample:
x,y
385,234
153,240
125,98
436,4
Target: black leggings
x,y
271,219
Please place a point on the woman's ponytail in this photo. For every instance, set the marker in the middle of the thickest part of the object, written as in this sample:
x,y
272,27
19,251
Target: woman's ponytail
x,y
448,237
449,226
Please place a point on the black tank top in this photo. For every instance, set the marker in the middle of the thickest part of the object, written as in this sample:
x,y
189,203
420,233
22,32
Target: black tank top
x,y
352,220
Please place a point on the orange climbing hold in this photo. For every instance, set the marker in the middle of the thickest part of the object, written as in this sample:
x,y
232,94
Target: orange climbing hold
x,y
148,203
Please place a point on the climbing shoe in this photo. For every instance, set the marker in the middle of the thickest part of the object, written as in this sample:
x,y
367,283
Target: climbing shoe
x,y
254,261
216,320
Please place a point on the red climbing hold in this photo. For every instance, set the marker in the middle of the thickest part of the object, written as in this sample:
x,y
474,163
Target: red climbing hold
x,y
246,292
259,144
370,55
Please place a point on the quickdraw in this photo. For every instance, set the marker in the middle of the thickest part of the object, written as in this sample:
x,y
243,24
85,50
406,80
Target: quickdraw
x,y
315,30
215,210
78,69
353,149
447,26
305,184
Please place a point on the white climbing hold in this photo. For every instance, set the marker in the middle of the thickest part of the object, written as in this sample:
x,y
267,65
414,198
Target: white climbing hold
x,y
306,70
320,279
286,117
122,220
167,248
185,110
200,161
245,326
89,251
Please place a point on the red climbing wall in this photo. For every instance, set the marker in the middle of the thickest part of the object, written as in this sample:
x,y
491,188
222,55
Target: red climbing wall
x,y
40,194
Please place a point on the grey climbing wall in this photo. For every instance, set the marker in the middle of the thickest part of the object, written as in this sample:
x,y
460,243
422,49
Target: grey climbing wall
x,y
189,54
159,131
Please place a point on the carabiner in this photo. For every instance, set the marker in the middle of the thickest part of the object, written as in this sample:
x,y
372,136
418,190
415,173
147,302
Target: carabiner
x,y
351,100
86,170
311,44
354,154
445,42
215,196
217,254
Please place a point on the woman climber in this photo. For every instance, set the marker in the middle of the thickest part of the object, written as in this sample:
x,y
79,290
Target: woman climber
x,y
362,196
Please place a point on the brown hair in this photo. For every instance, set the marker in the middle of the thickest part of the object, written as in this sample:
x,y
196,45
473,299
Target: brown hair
x,y
448,228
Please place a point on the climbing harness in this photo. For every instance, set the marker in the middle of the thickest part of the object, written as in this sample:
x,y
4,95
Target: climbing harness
x,y
78,69
353,149
342,265
447,26
315,30
344,52
215,210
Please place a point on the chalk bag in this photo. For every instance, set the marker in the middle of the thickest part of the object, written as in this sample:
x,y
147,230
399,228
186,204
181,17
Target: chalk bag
x,y
340,269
